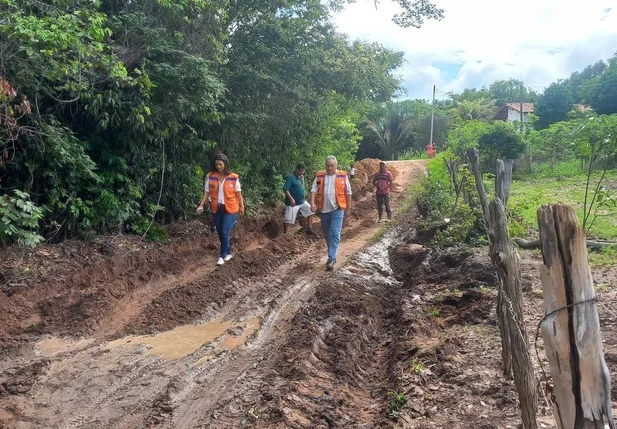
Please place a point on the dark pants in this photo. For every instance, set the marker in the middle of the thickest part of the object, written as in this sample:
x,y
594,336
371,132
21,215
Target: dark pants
x,y
224,223
381,201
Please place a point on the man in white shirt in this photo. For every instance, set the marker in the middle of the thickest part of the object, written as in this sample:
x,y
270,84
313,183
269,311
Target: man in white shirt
x,y
332,190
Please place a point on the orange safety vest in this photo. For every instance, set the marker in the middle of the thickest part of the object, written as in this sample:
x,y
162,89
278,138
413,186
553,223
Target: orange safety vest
x,y
232,205
340,188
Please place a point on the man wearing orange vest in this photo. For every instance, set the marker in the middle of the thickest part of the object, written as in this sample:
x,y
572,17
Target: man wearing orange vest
x,y
332,190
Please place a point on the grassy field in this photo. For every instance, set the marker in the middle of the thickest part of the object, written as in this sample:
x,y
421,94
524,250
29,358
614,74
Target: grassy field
x,y
564,184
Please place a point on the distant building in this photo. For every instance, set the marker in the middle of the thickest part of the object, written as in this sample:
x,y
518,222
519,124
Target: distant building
x,y
582,107
511,112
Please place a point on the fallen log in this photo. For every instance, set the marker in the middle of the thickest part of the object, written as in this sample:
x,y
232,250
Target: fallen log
x,y
535,244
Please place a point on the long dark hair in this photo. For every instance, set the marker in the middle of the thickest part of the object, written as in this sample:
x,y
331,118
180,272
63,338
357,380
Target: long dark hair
x,y
220,157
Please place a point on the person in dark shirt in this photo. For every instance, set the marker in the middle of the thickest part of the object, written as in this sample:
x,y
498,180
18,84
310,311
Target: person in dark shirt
x,y
295,200
382,181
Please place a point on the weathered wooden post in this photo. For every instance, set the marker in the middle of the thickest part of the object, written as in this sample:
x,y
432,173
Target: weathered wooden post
x,y
510,303
571,328
514,342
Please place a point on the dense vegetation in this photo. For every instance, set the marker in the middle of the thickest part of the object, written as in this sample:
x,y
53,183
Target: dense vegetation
x,y
566,153
109,110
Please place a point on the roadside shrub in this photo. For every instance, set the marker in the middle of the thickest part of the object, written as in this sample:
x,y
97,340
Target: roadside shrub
x,y
439,205
18,219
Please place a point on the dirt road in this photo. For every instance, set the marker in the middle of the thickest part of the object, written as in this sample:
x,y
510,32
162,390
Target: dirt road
x,y
159,336
124,334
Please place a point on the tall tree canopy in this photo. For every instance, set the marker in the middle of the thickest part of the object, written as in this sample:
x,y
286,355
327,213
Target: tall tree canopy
x,y
554,104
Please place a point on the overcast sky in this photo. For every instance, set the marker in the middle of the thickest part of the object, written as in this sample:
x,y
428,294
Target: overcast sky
x,y
480,41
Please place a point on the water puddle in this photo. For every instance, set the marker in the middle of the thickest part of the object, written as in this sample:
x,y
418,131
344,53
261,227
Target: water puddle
x,y
53,346
232,342
186,340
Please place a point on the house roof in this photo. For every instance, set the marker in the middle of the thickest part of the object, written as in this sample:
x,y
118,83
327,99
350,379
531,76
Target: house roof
x,y
502,113
527,107
582,107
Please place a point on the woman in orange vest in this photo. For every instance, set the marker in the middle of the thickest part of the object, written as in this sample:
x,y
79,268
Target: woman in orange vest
x,y
222,190
333,192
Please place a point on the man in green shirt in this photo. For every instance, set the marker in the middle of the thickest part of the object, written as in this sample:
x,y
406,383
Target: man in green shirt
x,y
295,200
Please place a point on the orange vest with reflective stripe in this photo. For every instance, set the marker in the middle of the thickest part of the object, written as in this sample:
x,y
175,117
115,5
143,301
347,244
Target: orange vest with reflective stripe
x,y
340,188
232,205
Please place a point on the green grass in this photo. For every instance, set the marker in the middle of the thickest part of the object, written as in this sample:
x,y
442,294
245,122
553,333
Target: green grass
x,y
606,257
527,195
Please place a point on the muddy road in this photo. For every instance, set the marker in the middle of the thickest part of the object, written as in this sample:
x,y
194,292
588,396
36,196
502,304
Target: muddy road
x,y
119,333
134,337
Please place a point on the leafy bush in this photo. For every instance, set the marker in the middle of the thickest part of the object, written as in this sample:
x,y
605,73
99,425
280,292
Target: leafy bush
x,y
501,141
465,223
18,217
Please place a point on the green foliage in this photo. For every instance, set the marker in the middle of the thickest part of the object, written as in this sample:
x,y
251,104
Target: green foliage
x,y
478,109
508,91
606,257
121,104
465,225
554,104
417,365
501,141
465,135
19,218
460,230
553,144
393,133
603,95
529,193
396,403
412,13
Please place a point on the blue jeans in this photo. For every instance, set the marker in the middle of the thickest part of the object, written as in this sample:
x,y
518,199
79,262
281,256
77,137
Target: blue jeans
x,y
331,225
224,222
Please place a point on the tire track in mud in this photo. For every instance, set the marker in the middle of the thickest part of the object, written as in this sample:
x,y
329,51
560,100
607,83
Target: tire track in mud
x,y
236,371
337,368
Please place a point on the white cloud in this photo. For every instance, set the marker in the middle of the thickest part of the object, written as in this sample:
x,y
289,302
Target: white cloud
x,y
480,41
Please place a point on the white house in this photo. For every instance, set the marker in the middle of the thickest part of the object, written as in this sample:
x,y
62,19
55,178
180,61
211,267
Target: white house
x,y
511,112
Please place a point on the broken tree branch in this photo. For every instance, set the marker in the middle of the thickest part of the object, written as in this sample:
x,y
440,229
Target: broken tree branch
x,y
535,244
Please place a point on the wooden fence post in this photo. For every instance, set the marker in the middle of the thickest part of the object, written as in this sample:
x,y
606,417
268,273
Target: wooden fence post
x,y
514,342
571,328
505,258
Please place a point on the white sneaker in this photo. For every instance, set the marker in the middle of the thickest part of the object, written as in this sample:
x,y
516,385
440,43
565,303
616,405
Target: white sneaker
x,y
221,261
228,257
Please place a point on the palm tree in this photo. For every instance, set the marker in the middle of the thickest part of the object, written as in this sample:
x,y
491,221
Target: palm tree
x,y
468,110
393,133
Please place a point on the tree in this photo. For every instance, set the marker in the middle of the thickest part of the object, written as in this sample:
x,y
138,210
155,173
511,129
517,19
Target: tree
x,y
501,141
465,135
508,91
603,96
554,105
479,109
393,132
555,143
413,13
581,83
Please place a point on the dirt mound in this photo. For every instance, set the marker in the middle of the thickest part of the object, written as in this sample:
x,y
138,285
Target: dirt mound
x,y
365,170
